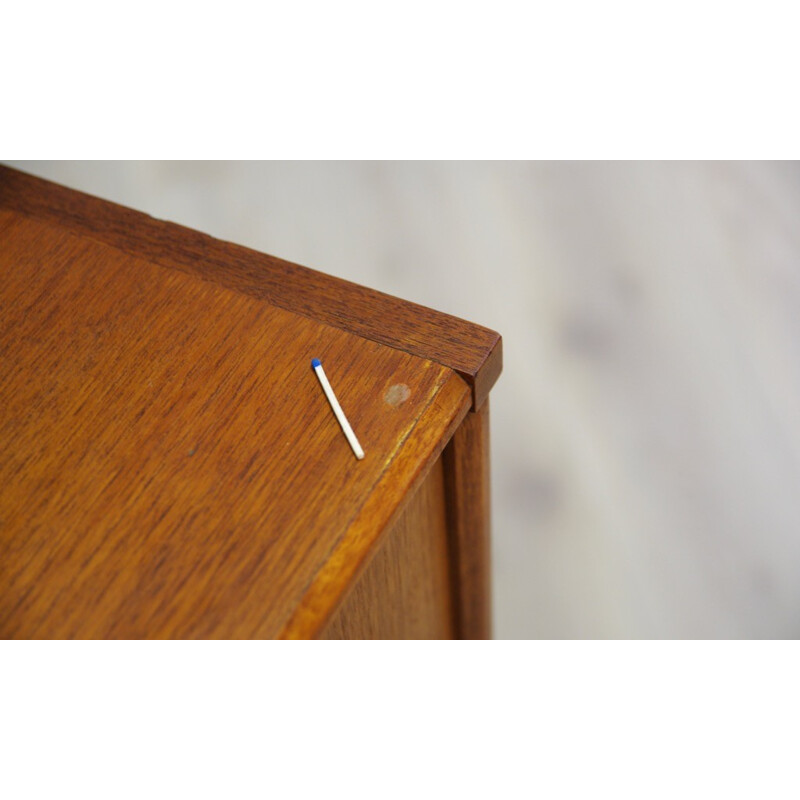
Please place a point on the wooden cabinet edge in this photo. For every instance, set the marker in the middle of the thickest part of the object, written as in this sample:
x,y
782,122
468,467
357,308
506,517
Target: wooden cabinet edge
x,y
326,593
468,494
466,468
471,350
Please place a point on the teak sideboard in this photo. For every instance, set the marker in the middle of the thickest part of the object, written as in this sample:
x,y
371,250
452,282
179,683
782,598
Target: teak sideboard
x,y
171,468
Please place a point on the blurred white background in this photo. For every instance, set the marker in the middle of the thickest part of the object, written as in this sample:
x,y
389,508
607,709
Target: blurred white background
x,y
646,428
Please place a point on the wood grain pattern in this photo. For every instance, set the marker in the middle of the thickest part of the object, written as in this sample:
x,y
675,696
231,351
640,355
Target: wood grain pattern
x,y
171,467
405,592
387,501
466,468
471,350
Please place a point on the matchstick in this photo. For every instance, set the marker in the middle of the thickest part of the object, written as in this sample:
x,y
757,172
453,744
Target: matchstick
x,y
337,409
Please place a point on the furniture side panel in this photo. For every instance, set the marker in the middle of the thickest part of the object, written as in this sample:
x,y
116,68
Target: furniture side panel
x,y
405,591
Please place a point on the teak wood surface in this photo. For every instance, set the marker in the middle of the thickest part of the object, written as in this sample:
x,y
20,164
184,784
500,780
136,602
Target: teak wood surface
x,y
406,591
170,466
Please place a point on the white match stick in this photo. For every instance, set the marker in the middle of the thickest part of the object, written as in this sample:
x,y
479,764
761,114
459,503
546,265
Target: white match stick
x,y
337,409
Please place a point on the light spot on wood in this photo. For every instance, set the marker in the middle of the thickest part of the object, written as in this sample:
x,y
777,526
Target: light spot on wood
x,y
397,394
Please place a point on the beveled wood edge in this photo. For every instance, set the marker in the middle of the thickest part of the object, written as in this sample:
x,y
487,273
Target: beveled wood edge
x,y
350,556
474,352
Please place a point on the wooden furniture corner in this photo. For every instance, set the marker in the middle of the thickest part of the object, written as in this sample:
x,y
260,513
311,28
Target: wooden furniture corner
x,y
171,468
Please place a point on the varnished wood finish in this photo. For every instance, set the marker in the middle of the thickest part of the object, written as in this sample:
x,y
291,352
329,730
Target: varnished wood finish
x,y
405,592
171,467
466,465
348,559
472,351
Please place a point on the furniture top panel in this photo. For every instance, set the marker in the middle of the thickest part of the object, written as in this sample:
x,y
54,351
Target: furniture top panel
x,y
473,351
170,464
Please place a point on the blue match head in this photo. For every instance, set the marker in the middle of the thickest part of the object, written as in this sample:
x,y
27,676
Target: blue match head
x,y
315,362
